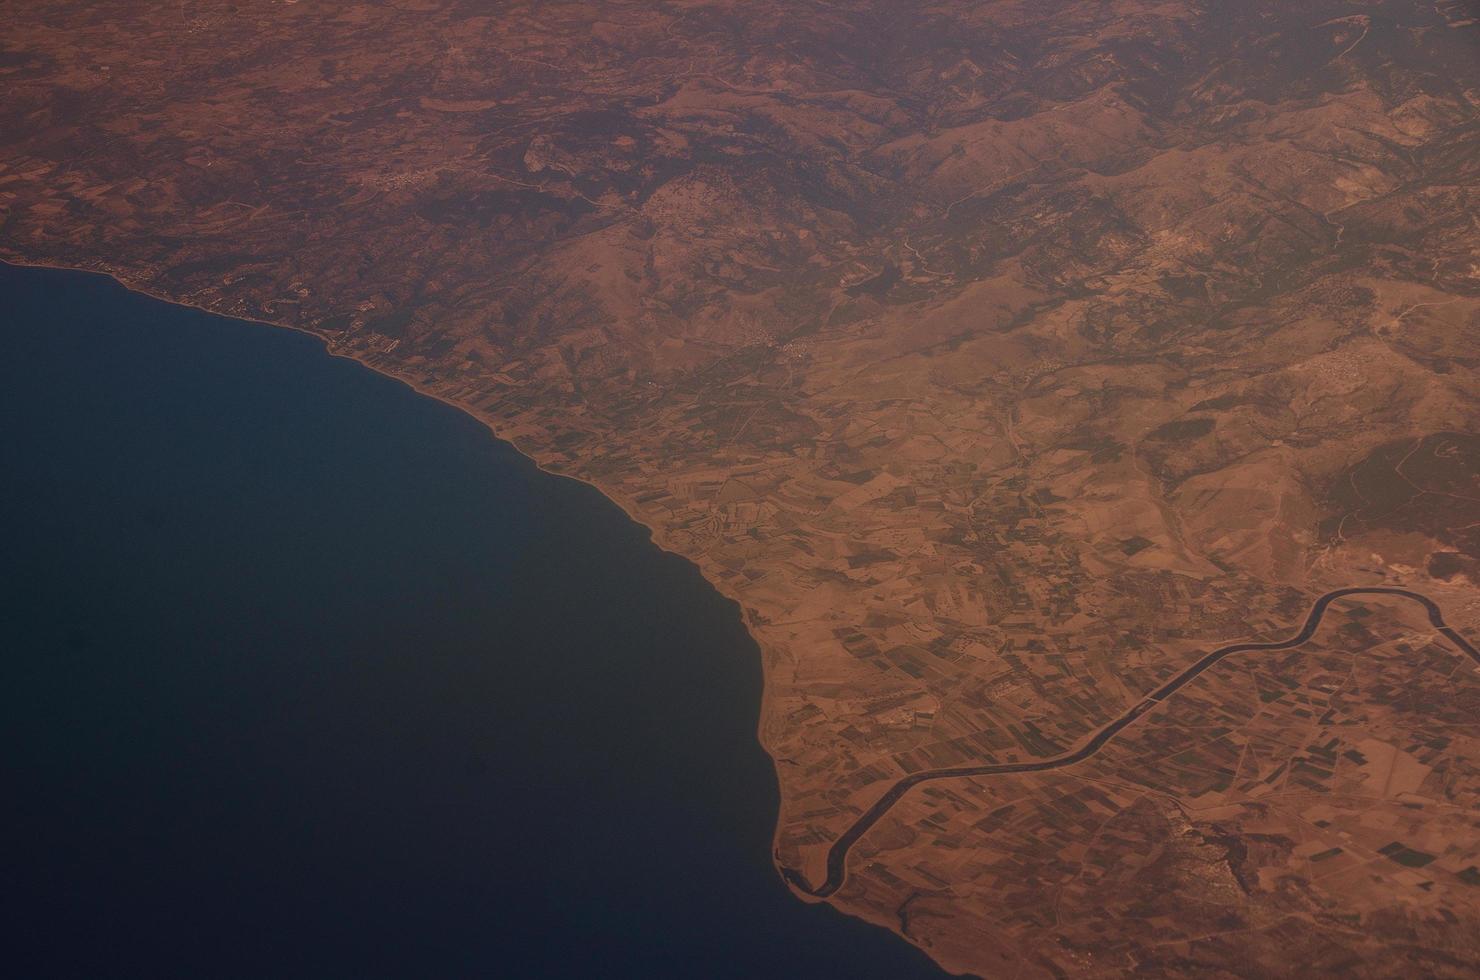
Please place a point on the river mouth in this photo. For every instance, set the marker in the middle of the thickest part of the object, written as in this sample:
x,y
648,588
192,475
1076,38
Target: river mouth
x,y
308,674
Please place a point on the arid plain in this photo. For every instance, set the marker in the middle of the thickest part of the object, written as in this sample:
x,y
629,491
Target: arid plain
x,y
999,359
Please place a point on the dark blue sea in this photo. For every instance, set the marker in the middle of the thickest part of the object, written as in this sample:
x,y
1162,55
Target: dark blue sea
x,y
307,675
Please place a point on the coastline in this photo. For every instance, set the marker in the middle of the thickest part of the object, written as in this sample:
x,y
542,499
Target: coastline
x,y
628,507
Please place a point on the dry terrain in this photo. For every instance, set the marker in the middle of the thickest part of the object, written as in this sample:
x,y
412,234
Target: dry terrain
x,y
998,358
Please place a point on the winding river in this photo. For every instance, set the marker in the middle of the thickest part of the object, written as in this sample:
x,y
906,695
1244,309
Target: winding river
x,y
837,855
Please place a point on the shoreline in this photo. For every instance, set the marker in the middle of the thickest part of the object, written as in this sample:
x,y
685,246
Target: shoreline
x,y
655,535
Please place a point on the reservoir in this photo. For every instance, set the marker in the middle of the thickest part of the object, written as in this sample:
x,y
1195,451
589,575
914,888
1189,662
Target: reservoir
x,y
306,674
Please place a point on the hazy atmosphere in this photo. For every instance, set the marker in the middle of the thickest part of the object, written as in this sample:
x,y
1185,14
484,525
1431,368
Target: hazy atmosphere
x,y
880,488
